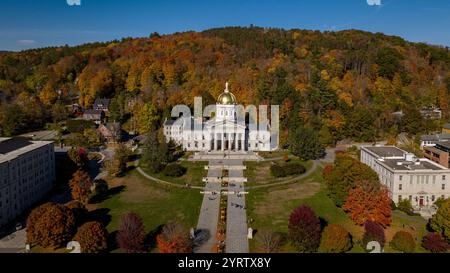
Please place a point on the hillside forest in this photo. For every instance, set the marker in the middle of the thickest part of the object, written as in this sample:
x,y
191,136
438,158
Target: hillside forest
x,y
341,85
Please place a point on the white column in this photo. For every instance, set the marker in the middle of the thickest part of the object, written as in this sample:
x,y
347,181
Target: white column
x,y
223,140
215,142
243,142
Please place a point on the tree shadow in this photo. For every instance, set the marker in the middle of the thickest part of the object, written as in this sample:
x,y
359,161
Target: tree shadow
x,y
201,237
99,215
150,239
323,223
112,241
110,193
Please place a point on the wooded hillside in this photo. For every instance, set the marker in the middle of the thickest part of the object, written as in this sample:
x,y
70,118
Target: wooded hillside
x,y
344,84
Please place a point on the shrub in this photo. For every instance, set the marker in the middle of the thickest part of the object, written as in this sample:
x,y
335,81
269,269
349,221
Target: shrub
x,y
293,168
131,234
101,187
435,243
406,206
335,239
441,220
174,238
50,225
155,166
403,241
174,170
92,237
304,229
373,232
277,171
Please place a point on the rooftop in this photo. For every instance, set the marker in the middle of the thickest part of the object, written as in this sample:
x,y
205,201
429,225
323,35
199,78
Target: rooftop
x,y
436,137
399,160
386,151
419,165
11,148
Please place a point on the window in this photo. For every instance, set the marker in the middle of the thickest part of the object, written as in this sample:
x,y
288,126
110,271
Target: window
x,y
401,177
443,186
399,198
433,198
443,177
400,187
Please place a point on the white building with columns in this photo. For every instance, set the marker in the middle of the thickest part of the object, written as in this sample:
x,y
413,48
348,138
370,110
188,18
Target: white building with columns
x,y
220,133
407,177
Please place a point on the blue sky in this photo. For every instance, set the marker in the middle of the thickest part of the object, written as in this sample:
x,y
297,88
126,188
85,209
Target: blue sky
x,y
37,23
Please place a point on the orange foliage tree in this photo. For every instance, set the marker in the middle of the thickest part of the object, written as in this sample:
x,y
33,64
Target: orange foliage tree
x,y
92,237
50,225
81,184
174,239
369,205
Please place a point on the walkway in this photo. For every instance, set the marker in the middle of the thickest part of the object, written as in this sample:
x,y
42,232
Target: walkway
x,y
237,241
209,215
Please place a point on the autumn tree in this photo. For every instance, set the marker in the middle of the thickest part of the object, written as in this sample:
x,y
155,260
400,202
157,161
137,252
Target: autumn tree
x,y
146,115
304,229
174,238
131,234
369,205
80,185
344,176
78,156
335,239
118,164
441,220
50,225
269,241
92,237
435,243
373,232
403,241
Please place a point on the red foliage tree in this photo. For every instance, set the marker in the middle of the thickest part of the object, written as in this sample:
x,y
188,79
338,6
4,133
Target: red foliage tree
x,y
364,205
304,229
435,243
50,225
81,185
131,234
373,232
174,239
92,237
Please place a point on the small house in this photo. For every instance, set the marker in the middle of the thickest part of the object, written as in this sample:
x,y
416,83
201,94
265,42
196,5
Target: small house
x,y
111,132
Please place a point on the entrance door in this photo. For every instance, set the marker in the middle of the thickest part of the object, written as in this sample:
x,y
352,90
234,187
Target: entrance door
x,y
421,201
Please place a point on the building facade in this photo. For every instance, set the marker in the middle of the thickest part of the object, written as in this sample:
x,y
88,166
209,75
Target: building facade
x,y
223,132
27,173
418,179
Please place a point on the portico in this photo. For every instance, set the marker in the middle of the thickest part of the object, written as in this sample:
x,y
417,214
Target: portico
x,y
222,133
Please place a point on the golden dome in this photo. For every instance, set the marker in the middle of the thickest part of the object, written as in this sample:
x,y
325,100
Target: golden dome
x,y
226,98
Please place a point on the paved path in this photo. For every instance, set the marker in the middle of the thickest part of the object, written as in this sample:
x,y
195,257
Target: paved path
x,y
209,216
236,235
14,242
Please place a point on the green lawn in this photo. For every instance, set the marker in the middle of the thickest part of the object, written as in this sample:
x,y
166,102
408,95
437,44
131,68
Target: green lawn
x,y
258,173
194,174
154,203
269,208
